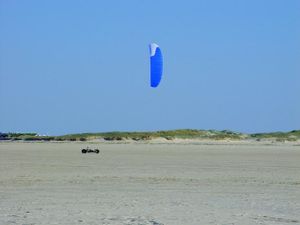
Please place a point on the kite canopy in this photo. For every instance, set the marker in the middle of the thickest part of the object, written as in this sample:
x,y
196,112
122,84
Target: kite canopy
x,y
156,64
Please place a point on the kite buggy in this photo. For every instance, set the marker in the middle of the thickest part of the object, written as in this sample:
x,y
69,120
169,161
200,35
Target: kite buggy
x,y
89,150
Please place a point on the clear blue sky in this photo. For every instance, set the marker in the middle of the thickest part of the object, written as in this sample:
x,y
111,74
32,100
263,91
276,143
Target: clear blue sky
x,y
83,66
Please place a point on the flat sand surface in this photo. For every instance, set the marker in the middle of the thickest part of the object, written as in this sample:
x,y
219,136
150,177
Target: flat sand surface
x,y
149,184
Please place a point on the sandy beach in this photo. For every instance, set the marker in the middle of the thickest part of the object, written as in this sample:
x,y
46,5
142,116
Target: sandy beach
x,y
149,184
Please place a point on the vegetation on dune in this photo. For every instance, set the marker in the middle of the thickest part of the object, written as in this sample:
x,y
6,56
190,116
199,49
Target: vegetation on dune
x,y
293,135
168,135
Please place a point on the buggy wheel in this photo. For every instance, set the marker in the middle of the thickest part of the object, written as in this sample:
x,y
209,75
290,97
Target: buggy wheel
x,y
83,151
97,151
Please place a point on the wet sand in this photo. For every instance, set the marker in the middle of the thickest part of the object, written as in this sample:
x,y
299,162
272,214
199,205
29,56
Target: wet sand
x,y
153,184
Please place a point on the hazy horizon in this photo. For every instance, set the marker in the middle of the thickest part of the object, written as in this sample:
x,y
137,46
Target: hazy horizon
x,y
95,132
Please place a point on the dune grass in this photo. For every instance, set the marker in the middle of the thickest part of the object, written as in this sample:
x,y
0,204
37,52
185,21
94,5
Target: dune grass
x,y
167,134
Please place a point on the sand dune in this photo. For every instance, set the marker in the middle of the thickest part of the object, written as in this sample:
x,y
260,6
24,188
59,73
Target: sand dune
x,y
155,184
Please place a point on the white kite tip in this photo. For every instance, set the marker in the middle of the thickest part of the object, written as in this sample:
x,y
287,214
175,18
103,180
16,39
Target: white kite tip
x,y
153,48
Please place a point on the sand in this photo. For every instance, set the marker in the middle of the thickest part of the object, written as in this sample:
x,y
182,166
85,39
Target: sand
x,y
153,184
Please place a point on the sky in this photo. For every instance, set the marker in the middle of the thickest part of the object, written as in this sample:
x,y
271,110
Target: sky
x,y
83,66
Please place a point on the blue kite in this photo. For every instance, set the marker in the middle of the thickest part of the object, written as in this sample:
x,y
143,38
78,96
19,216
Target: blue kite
x,y
156,65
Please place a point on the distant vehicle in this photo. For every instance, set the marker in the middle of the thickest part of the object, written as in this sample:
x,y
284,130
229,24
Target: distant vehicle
x,y
89,150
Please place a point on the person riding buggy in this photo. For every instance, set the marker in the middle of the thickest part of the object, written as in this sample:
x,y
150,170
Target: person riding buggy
x,y
89,150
